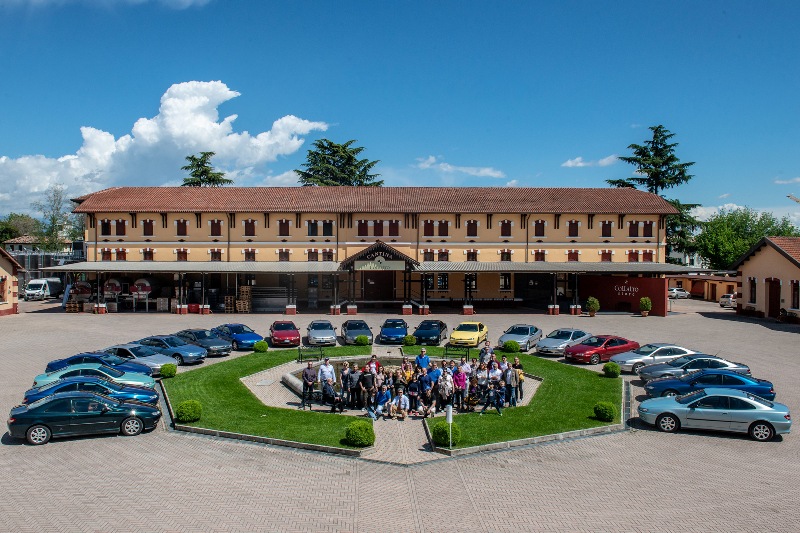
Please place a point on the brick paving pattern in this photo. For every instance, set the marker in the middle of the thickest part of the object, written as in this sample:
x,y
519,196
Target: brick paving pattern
x,y
166,481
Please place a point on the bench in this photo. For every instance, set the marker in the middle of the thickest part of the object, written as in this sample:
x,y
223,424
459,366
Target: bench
x,y
460,351
306,353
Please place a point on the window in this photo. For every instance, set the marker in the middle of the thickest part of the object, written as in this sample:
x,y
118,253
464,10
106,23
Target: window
x,y
313,280
216,228
428,281
539,255
181,228
444,227
394,228
147,254
633,229
327,282
122,255
737,404
327,255
182,255
105,227
147,228
377,228
796,295
427,255
606,256
647,256
752,299
573,228
472,228
120,227
505,281
249,228
633,256
505,228
105,255
572,255
283,255
472,255
313,228
3,289
427,228
249,254
443,255
442,282
313,255
606,228
538,228
283,228
472,281
327,228
505,255
216,255
363,228
647,229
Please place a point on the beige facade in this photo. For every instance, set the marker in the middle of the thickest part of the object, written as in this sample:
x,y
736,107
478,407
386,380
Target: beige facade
x,y
770,278
9,284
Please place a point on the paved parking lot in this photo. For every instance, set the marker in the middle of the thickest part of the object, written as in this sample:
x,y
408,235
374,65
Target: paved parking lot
x,y
633,481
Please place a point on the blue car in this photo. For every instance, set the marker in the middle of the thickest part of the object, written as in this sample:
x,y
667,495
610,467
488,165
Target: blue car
x,y
703,379
100,358
240,336
96,385
393,331
175,347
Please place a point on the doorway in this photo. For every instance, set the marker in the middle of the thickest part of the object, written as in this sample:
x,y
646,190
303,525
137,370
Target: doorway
x,y
773,297
713,292
378,285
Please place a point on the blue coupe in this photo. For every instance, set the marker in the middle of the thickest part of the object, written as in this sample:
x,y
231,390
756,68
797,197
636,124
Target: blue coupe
x,y
95,370
93,384
240,336
100,358
703,379
175,347
393,331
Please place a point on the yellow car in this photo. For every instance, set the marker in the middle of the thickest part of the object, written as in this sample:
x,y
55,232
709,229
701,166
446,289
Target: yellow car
x,y
469,334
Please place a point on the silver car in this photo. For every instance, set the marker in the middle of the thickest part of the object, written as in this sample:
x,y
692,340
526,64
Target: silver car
x,y
353,328
689,363
136,353
321,333
678,293
525,335
649,354
727,300
559,340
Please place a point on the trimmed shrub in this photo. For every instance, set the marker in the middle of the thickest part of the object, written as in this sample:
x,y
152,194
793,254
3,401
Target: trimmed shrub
x,y
511,346
645,304
611,370
360,433
440,431
605,411
188,411
362,340
169,370
592,304
409,340
261,346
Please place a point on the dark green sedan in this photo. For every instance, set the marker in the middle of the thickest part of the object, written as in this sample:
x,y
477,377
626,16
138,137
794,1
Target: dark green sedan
x,y
79,413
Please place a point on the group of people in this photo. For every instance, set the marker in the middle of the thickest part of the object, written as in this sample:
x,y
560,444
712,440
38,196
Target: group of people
x,y
419,388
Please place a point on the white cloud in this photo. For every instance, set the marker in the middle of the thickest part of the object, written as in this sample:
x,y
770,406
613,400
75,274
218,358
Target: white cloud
x,y
153,153
705,212
174,4
513,183
723,196
788,182
579,162
606,161
432,162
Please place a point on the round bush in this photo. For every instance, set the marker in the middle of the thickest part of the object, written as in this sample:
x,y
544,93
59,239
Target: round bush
x,y
169,370
592,304
440,431
362,340
409,340
645,304
188,411
511,346
360,433
605,411
611,369
261,346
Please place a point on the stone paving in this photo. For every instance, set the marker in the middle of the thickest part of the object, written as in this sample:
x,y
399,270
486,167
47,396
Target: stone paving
x,y
166,481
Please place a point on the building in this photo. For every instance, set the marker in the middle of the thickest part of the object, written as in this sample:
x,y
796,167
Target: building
x,y
9,284
30,243
769,275
708,287
374,246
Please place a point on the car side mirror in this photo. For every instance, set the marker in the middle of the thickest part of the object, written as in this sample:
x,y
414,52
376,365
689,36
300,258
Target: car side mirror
x,y
104,409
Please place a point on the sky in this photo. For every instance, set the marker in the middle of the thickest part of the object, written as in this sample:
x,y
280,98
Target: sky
x,y
102,93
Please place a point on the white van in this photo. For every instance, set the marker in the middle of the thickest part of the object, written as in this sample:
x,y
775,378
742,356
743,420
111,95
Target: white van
x,y
39,289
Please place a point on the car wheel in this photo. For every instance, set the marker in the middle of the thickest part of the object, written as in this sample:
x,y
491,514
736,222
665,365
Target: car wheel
x,y
636,367
131,426
762,431
235,345
38,435
594,359
178,359
668,423
669,392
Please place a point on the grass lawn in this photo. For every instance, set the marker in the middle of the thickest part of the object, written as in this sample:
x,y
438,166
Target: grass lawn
x,y
230,406
564,402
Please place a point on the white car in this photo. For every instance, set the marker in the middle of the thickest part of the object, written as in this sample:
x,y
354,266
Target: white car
x,y
727,300
677,292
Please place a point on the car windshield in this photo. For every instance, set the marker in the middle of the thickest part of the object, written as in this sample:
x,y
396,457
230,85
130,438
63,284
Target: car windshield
x,y
560,334
357,324
594,341
113,372
142,351
203,334
283,326
240,328
174,341
112,359
34,286
680,361
467,327
394,324
647,349
690,397
428,326
316,326
518,330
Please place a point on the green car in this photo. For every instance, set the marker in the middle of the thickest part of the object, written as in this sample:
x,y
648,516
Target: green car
x,y
99,371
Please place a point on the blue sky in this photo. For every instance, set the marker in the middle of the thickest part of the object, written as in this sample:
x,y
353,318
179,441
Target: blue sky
x,y
117,92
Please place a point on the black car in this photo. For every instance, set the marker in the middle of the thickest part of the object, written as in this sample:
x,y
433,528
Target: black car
x,y
431,332
206,339
79,413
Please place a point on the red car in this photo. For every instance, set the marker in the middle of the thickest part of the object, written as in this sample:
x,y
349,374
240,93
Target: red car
x,y
284,333
599,348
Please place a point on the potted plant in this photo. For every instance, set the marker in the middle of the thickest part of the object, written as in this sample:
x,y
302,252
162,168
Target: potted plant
x,y
645,305
592,305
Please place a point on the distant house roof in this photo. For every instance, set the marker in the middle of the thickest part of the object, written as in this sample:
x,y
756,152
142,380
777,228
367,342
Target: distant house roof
x,y
10,257
789,247
29,239
373,200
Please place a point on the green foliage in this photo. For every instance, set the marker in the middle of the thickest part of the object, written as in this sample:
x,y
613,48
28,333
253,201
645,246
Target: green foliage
x,y
605,411
16,224
362,340
169,370
409,340
645,303
260,346
611,370
511,347
729,234
55,211
329,164
592,304
360,434
440,431
202,174
188,411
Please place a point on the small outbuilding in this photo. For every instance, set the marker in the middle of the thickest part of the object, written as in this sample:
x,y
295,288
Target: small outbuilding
x,y
769,275
9,284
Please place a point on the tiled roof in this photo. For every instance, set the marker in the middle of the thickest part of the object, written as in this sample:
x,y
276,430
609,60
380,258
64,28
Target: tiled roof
x,y
372,200
789,245
28,239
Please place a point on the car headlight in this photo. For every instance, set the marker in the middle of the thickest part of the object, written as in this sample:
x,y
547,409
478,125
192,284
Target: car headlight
x,y
562,345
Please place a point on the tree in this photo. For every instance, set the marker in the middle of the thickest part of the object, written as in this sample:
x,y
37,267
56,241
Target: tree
x,y
729,234
17,224
202,174
337,164
55,218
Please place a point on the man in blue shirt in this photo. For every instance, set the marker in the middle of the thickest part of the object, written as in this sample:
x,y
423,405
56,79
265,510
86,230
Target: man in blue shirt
x,y
434,373
422,360
383,400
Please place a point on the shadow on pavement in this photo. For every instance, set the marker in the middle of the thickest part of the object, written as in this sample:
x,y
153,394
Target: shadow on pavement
x,y
769,323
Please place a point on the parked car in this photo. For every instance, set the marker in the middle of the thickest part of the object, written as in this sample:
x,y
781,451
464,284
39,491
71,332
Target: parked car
x,y
677,292
718,409
101,358
284,333
205,338
525,335
144,355
92,384
240,336
431,332
560,339
96,370
39,289
79,413
355,328
727,300
176,348
599,348
469,334
649,354
702,379
393,331
688,363
321,333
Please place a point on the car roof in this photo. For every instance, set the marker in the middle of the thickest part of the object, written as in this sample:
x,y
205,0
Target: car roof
x,y
73,379
192,329
700,356
127,345
357,320
283,322
164,336
522,325
722,391
725,371
571,329
320,322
